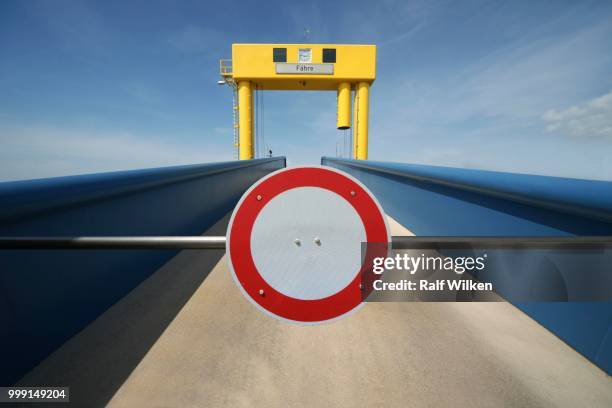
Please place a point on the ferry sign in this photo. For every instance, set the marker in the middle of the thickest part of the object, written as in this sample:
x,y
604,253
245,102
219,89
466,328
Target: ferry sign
x,y
322,69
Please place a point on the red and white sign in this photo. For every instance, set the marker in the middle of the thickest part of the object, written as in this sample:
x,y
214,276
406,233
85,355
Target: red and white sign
x,y
294,242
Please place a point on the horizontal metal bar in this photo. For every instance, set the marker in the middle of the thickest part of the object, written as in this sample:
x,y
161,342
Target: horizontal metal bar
x,y
218,242
420,242
160,242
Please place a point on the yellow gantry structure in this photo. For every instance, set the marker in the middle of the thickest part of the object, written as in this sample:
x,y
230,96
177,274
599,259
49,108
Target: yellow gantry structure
x,y
297,67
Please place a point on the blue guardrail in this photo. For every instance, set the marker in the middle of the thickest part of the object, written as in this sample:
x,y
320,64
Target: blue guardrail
x,y
431,200
48,296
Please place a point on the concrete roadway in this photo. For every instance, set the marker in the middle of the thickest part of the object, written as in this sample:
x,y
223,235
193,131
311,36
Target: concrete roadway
x,y
183,338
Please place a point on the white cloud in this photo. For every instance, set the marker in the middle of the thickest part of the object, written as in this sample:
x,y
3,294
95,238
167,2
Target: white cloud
x,y
487,113
588,120
516,82
43,151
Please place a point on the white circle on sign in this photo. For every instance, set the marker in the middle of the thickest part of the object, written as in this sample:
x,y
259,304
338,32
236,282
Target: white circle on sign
x,y
306,243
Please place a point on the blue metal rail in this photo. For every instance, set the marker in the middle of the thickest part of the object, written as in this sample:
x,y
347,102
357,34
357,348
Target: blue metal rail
x,y
48,296
444,201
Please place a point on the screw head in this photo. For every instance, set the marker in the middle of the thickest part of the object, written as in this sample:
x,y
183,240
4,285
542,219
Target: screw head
x,y
353,193
261,292
317,241
259,197
297,242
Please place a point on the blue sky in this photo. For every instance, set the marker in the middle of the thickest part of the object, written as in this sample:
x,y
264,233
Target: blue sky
x,y
109,85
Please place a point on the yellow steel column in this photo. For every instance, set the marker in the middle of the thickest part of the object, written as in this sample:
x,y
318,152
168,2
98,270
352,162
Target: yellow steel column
x,y
363,89
245,113
344,106
254,105
355,128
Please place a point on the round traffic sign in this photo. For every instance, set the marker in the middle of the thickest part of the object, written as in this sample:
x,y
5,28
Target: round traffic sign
x,y
294,243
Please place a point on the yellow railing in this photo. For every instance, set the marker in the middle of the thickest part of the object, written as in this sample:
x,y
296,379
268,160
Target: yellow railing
x,y
225,67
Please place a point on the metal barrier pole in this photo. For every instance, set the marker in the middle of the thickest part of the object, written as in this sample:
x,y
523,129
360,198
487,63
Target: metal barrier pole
x,y
218,242
160,242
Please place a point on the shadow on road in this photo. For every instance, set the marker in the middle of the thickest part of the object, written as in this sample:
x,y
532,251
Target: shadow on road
x,y
97,361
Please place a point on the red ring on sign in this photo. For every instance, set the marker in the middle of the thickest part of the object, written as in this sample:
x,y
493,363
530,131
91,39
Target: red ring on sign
x,y
241,227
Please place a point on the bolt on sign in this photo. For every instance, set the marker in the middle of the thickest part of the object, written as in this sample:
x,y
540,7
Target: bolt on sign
x,y
294,243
